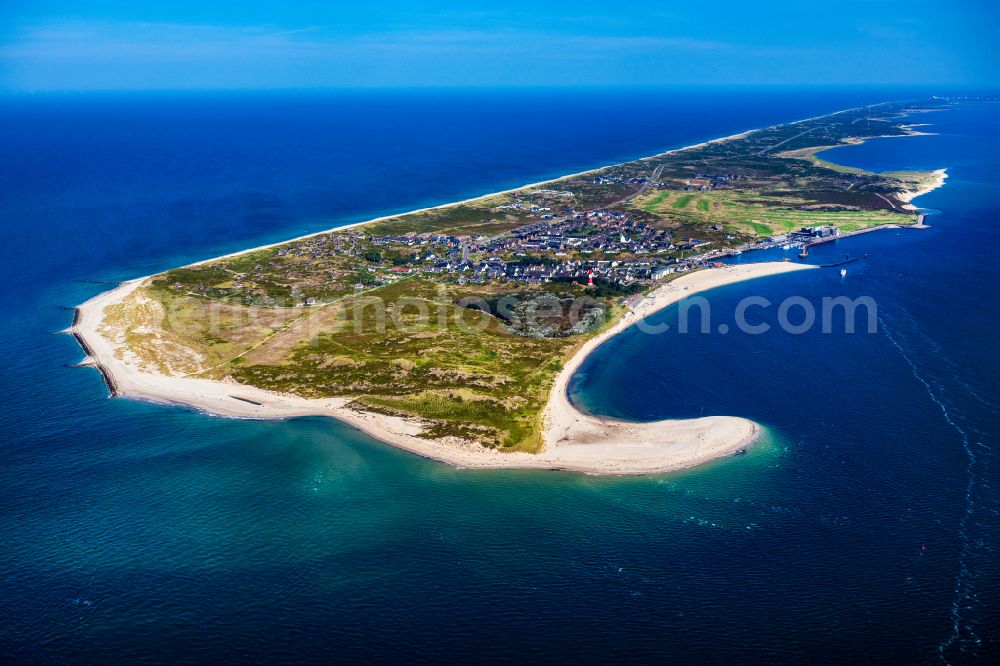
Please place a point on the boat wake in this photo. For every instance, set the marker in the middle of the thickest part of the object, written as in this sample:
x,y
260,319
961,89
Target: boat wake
x,y
963,634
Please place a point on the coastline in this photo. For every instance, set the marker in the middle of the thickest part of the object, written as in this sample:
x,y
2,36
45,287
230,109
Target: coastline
x,y
572,440
478,197
671,151
657,446
937,180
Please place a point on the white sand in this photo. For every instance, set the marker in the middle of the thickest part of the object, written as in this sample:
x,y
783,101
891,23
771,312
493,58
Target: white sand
x,y
940,175
626,447
572,440
552,181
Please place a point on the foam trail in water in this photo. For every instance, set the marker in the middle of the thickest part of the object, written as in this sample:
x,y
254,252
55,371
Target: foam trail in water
x,y
962,633
955,370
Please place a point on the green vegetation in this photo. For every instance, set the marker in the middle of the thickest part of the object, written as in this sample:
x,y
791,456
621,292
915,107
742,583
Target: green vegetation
x,y
652,203
682,201
764,214
810,155
459,369
760,229
385,314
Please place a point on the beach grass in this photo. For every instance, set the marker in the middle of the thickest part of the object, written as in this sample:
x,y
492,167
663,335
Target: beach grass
x,y
460,371
337,314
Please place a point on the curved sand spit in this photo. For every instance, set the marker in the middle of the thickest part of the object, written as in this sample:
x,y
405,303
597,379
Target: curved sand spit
x,y
572,440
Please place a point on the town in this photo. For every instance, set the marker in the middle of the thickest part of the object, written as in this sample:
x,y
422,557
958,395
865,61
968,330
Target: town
x,y
610,232
594,248
534,272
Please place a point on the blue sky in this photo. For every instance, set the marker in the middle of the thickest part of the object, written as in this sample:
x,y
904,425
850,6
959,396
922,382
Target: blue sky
x,y
184,44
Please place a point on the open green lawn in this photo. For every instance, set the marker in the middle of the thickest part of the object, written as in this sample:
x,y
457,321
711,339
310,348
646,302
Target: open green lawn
x,y
682,201
651,205
761,229
752,213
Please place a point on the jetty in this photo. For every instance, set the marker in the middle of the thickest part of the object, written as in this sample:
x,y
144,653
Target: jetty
x,y
91,358
919,224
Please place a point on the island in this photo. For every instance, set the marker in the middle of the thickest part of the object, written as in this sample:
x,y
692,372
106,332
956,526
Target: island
x,y
453,331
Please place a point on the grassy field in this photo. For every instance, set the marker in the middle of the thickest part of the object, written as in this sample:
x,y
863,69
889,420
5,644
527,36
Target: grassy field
x,y
404,349
912,179
651,203
752,213
458,369
810,155
340,314
682,201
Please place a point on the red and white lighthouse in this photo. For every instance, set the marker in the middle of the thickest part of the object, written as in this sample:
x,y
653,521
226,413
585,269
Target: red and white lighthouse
x,y
590,277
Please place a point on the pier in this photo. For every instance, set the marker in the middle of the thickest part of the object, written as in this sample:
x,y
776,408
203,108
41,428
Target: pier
x,y
849,260
819,241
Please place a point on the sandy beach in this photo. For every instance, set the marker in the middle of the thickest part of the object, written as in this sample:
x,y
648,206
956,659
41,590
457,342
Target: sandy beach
x,y
938,179
551,181
572,440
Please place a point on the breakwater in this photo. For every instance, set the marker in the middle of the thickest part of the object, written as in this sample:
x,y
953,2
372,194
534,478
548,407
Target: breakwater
x,y
91,359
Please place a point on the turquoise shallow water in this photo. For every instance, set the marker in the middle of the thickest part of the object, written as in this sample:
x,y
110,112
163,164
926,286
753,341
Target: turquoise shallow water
x,y
862,527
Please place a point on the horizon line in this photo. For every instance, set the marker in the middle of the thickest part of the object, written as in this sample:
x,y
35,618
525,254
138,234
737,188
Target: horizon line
x,y
943,89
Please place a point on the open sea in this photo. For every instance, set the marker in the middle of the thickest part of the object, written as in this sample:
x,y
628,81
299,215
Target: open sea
x,y
864,527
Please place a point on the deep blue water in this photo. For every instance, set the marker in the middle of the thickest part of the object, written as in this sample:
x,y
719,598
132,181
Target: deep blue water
x,y
863,527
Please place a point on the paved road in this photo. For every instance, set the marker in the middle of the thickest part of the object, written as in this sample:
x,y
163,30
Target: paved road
x,y
656,174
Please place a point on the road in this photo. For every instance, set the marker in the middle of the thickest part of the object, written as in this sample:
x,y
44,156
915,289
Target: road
x,y
652,179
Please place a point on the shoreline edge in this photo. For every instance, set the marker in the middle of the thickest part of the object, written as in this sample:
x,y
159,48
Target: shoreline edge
x,y
572,439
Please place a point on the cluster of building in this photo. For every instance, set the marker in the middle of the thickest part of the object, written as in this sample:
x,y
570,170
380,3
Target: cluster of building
x,y
621,251
705,181
806,234
585,232
601,245
619,179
